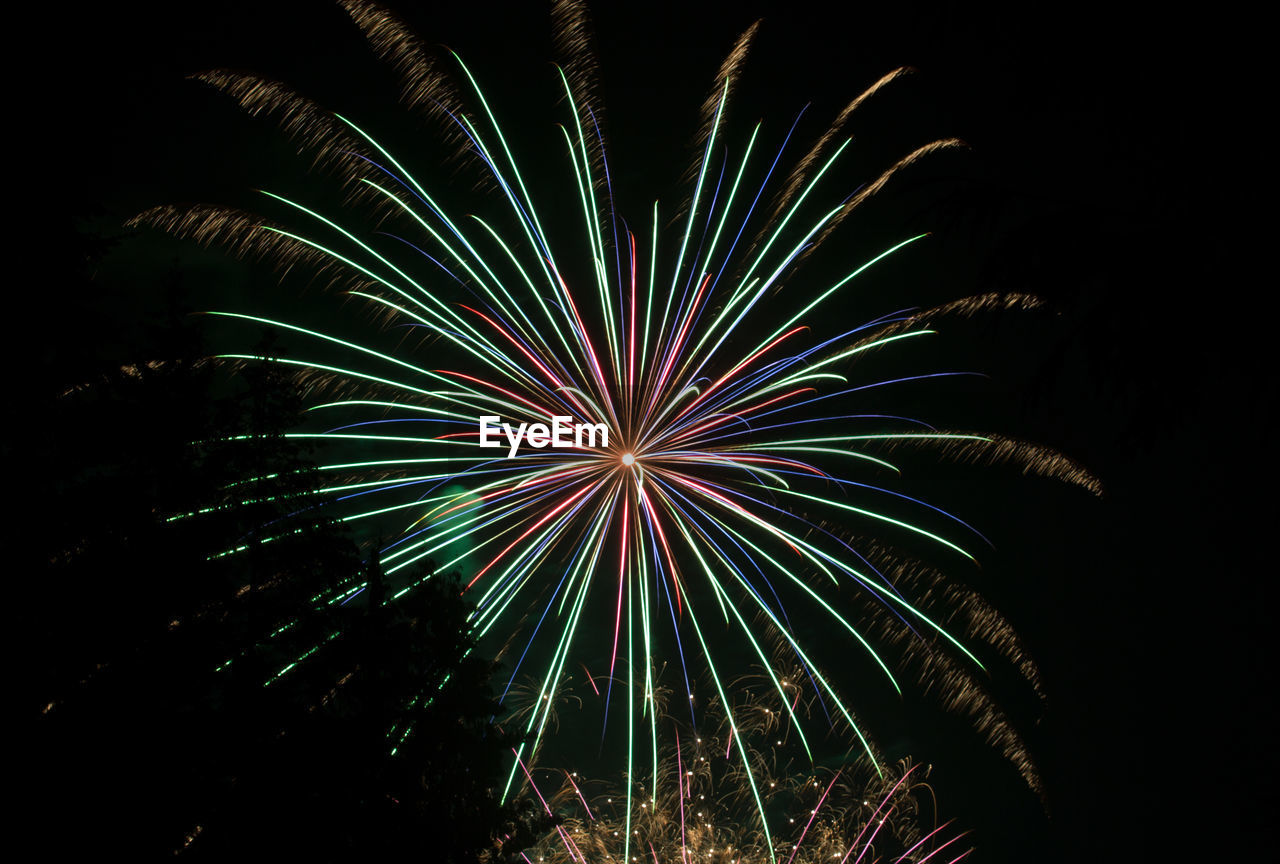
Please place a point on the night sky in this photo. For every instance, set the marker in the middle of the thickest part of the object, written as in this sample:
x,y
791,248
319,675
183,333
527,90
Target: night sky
x,y
1105,172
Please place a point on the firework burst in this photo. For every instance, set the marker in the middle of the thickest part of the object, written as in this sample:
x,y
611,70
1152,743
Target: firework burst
x,y
852,815
682,448
709,806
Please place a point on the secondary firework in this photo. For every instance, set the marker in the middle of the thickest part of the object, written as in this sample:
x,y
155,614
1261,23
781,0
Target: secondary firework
x,y
709,807
731,492
852,815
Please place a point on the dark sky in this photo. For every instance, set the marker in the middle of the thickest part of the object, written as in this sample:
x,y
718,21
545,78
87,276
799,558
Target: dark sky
x,y
1106,172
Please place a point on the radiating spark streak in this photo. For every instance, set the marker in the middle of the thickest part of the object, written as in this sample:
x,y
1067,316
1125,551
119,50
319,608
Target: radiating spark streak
x,y
812,816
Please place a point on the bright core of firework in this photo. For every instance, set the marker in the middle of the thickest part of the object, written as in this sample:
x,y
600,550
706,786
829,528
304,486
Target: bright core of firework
x,y
628,459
